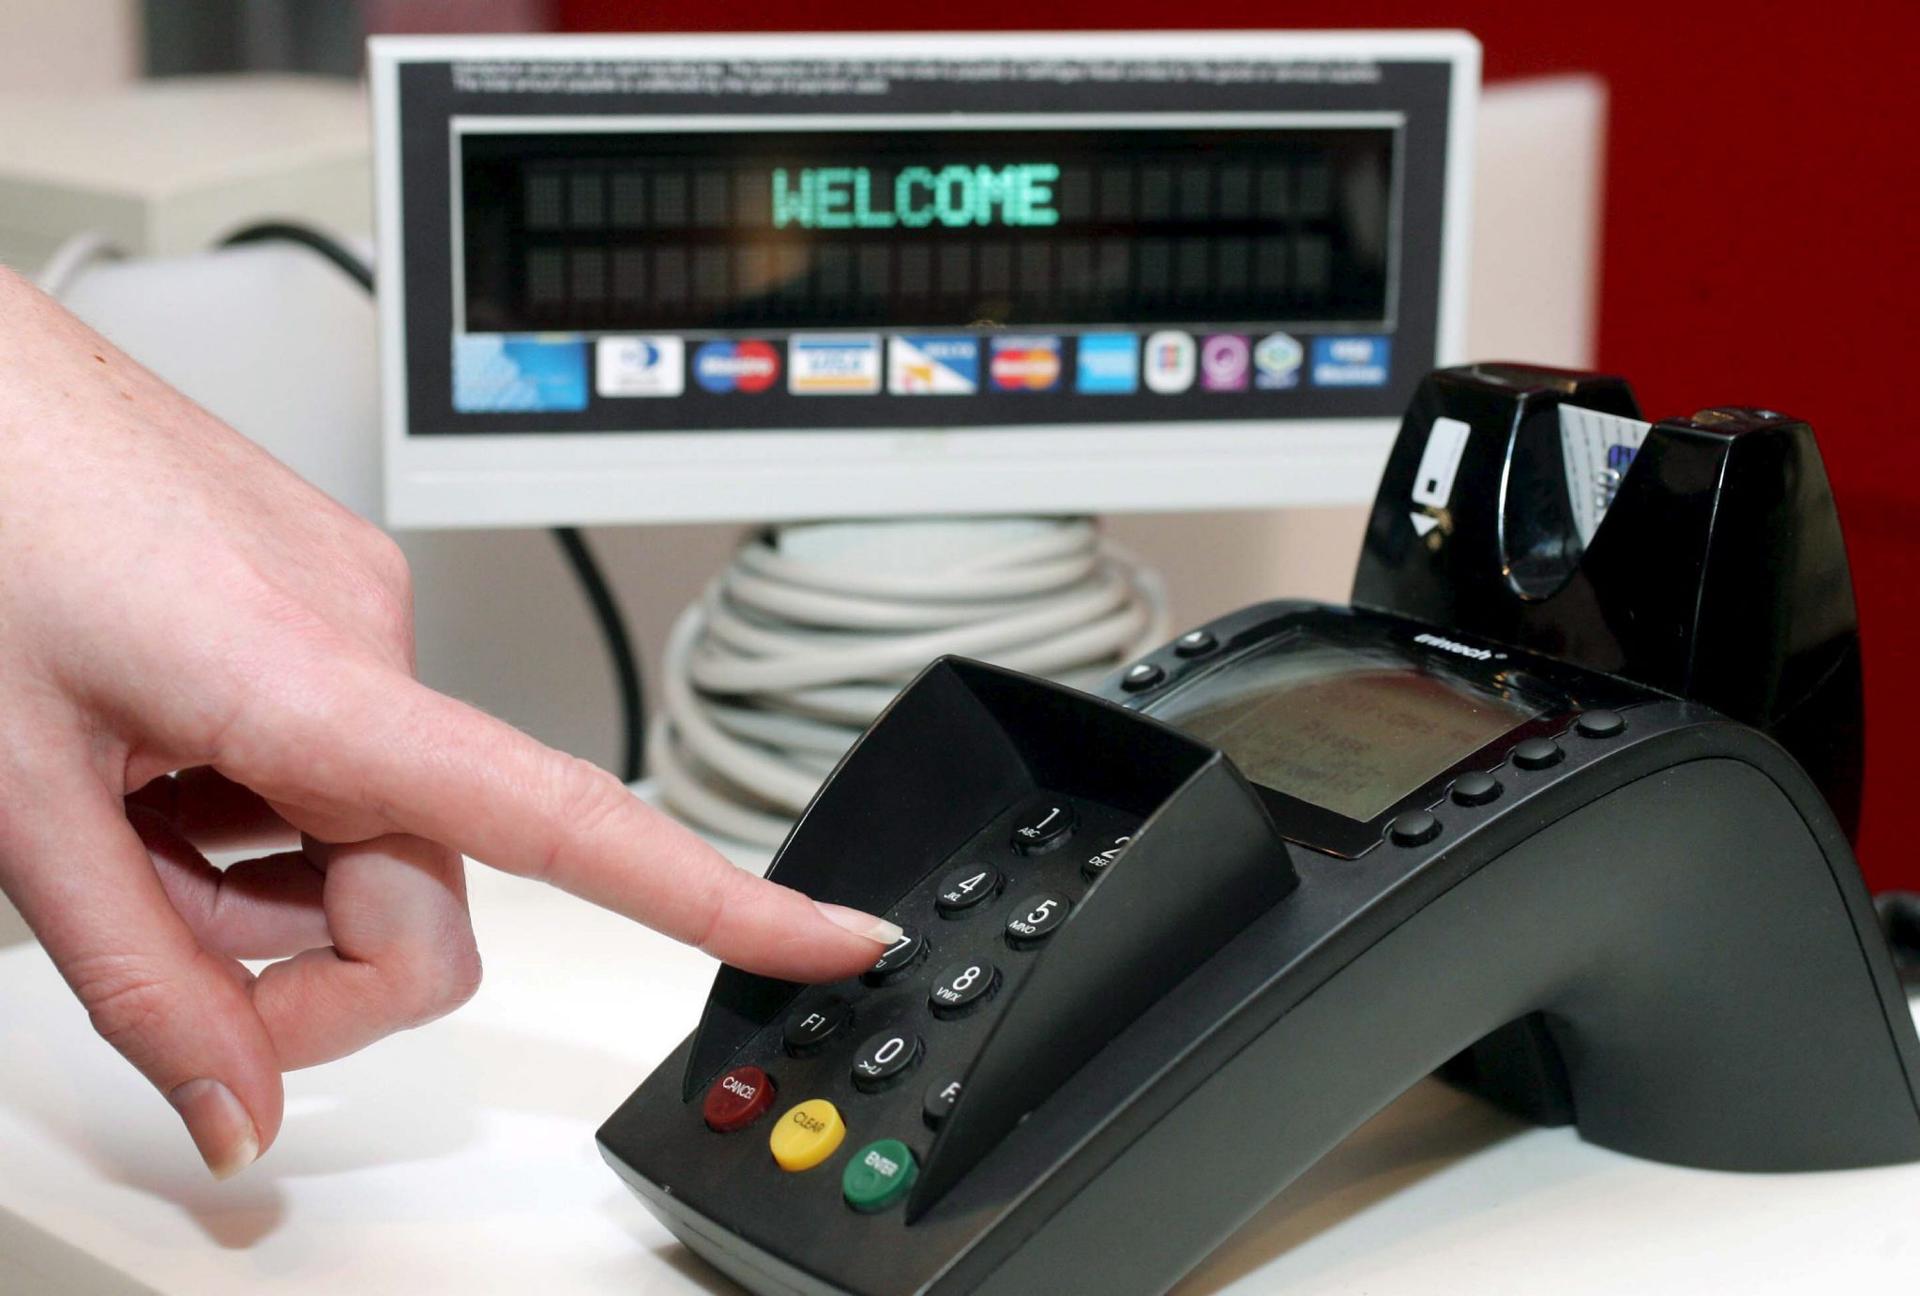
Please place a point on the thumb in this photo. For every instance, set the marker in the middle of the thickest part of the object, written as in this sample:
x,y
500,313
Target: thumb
x,y
84,882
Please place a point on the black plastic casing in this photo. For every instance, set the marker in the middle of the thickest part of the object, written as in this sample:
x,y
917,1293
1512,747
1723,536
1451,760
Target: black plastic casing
x,y
1662,938
1677,902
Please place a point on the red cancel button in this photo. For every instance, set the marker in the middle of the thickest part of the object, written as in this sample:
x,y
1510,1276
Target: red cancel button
x,y
738,1099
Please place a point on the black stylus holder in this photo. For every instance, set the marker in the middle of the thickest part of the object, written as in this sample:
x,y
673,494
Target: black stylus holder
x,y
1716,572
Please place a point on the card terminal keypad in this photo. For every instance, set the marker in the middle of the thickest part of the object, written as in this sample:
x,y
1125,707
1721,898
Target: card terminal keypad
x,y
888,1051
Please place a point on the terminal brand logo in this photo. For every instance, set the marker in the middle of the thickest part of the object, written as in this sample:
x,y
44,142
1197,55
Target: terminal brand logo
x,y
1109,363
1276,361
1025,363
833,365
933,366
1223,363
640,366
1172,360
1351,361
1456,648
749,366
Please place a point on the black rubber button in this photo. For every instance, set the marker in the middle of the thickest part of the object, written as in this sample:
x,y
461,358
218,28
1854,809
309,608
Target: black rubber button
x,y
966,887
1037,917
1475,789
884,1058
1600,724
959,988
1538,754
1043,824
898,960
1096,865
1141,676
1195,643
1414,828
808,1030
941,1096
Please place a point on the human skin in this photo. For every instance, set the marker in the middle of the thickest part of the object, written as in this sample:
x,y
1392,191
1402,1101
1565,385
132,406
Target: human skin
x,y
199,651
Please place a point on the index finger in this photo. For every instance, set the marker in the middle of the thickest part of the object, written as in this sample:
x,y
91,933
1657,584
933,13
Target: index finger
x,y
437,768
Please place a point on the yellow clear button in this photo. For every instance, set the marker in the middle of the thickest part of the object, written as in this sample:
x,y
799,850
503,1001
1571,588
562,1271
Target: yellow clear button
x,y
806,1134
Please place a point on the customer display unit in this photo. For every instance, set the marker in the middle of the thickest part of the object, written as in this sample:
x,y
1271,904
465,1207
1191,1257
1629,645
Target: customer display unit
x,y
655,278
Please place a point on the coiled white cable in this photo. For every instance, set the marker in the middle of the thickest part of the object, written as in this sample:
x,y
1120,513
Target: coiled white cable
x,y
813,629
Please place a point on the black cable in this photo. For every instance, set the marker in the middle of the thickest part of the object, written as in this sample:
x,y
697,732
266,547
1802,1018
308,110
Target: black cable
x,y
626,663
593,581
307,237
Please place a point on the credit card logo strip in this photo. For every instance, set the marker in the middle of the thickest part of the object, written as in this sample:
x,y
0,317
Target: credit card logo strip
x,y
639,366
496,374
1170,361
833,365
1024,363
1276,362
1355,361
1225,362
933,365
1107,364
749,365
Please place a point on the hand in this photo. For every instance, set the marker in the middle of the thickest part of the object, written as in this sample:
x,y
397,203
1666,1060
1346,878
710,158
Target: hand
x,y
199,651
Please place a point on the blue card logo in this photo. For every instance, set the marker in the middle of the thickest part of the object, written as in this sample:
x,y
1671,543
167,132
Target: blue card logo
x,y
1351,361
1109,363
495,374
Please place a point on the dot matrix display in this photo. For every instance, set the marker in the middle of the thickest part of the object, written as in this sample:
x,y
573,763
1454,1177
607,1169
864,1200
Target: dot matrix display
x,y
952,228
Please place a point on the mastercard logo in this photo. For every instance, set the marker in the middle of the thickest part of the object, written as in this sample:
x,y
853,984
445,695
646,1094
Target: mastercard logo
x,y
1026,367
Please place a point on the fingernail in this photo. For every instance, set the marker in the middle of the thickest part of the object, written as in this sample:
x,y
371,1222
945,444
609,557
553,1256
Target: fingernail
x,y
860,924
220,1126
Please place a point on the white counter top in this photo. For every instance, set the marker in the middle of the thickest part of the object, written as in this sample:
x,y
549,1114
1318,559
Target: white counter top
x,y
460,1158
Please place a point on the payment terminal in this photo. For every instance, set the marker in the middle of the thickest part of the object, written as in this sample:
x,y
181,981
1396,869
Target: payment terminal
x,y
1558,806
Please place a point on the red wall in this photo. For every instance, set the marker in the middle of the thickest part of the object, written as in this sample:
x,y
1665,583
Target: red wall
x,y
1759,237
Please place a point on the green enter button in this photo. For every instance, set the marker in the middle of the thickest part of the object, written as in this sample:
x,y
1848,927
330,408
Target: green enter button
x,y
879,1175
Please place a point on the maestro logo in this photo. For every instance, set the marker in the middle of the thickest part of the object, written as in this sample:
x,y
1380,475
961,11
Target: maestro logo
x,y
1025,363
736,366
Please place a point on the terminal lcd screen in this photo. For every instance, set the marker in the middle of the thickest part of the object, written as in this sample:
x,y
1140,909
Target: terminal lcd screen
x,y
1352,730
661,231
